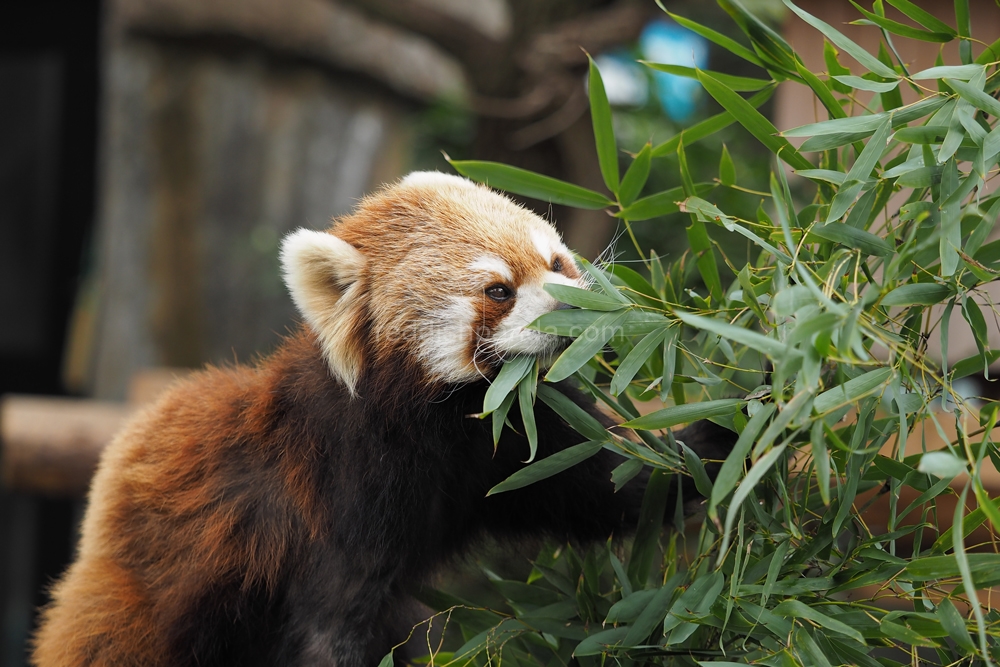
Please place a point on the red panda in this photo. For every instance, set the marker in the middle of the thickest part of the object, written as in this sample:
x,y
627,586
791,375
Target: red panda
x,y
278,514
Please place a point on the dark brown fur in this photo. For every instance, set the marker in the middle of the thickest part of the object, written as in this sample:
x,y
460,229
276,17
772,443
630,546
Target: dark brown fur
x,y
262,516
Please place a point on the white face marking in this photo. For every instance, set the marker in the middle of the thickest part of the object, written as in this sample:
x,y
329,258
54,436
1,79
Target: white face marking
x,y
435,178
543,244
444,340
493,265
511,337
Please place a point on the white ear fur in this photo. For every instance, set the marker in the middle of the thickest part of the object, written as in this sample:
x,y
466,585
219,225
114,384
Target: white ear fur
x,y
321,273
435,179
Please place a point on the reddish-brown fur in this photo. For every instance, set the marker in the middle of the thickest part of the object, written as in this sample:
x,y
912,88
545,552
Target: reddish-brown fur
x,y
279,514
184,546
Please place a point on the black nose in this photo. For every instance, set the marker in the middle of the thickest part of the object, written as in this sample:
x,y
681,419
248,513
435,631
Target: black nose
x,y
564,306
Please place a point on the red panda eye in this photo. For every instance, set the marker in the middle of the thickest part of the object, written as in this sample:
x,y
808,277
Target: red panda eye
x,y
499,292
557,265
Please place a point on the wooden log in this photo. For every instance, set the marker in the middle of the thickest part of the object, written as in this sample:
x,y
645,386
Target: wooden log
x,y
51,445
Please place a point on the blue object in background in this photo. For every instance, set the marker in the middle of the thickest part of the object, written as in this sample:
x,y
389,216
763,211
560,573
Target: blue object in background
x,y
665,42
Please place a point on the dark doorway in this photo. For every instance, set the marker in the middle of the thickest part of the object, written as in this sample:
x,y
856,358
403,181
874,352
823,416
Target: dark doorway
x,y
49,57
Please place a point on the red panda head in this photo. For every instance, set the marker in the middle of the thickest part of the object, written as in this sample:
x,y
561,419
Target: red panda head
x,y
437,267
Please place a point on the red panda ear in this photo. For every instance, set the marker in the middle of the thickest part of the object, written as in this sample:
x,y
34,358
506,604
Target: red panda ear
x,y
322,274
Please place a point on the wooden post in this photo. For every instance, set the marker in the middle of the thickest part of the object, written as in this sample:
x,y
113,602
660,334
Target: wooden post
x,y
51,445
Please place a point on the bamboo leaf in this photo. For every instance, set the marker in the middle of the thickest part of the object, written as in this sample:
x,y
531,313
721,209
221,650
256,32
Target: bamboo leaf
x,y
727,170
864,241
549,466
737,83
963,72
795,609
904,30
732,468
662,203
583,349
847,45
709,126
852,390
581,421
753,121
752,339
923,294
582,298
859,83
530,184
635,177
684,414
505,381
728,44
923,17
604,134
635,360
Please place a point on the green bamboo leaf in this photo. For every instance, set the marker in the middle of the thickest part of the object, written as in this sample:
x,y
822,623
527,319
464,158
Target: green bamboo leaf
x,y
645,545
823,90
866,242
549,466
565,322
387,661
753,121
865,84
866,59
974,364
586,346
505,381
601,280
683,414
582,422
500,416
904,30
754,475
861,170
737,83
635,360
974,316
530,184
582,298
827,175
635,177
732,468
727,170
794,609
651,616
925,134
600,642
866,125
768,44
526,401
929,568
728,44
662,203
942,464
975,97
954,625
923,17
963,72
751,339
901,633
708,212
824,142
922,294
852,390
604,134
709,126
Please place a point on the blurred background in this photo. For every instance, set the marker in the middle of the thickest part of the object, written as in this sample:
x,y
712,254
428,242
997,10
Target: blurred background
x,y
154,152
